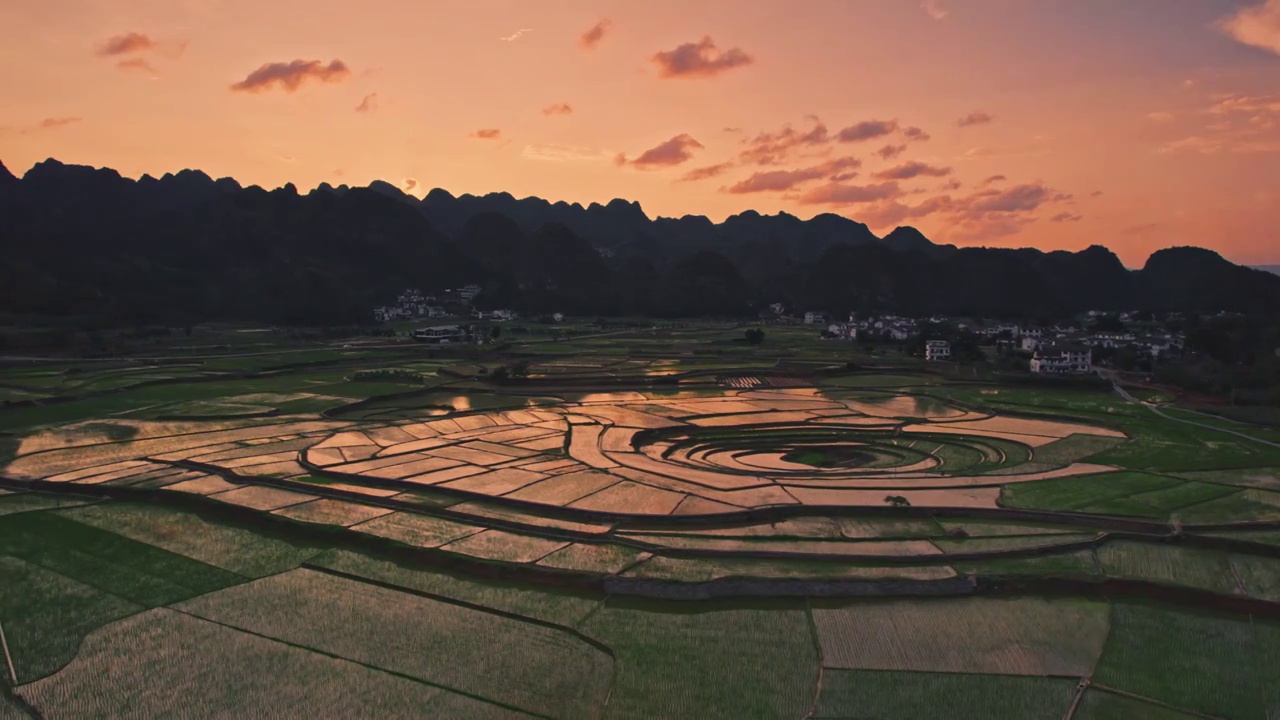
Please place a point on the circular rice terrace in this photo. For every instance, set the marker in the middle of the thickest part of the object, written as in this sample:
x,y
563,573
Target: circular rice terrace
x,y
688,486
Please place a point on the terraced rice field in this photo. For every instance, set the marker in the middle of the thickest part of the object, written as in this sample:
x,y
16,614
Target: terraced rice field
x,y
737,544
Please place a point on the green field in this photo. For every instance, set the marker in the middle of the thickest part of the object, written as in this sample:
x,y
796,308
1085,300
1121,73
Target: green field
x,y
659,521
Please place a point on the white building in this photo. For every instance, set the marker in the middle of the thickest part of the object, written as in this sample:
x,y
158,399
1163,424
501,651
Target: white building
x,y
814,318
937,350
1061,358
777,308
1029,344
843,331
440,334
468,292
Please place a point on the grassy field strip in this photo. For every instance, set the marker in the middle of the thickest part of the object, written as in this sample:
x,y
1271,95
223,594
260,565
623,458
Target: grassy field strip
x,y
553,673
1022,636
235,673
822,664
1104,702
859,694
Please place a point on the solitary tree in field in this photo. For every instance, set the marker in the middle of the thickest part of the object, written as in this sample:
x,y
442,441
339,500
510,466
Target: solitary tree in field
x,y
897,501
754,336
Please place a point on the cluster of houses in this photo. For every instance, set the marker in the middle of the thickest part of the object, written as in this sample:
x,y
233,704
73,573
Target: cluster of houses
x,y
456,302
1055,349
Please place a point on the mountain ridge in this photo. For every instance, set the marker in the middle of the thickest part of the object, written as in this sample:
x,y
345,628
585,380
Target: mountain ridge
x,y
89,241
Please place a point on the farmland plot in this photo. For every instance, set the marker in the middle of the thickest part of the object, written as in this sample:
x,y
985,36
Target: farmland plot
x,y
1188,661
1102,705
239,550
417,530
554,607
546,671
1024,636
1170,564
46,615
175,658
879,695
729,664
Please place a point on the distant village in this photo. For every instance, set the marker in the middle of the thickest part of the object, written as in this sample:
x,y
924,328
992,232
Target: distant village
x,y
1053,349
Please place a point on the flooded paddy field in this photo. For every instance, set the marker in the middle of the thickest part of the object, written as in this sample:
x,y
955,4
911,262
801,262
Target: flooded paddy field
x,y
651,524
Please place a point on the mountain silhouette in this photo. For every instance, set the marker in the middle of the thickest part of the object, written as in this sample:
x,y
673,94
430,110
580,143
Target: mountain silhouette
x,y
86,242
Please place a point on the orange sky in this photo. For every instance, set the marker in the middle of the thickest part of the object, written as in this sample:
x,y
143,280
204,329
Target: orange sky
x,y
1138,124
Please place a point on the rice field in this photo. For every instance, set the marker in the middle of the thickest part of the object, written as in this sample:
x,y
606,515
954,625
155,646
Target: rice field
x,y
1197,662
1170,564
177,657
546,671
1024,636
708,664
879,695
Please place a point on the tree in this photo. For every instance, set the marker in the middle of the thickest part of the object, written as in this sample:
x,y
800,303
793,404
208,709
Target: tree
x,y
754,336
897,501
495,332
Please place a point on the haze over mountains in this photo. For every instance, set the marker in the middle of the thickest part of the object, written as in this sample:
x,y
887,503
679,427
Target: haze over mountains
x,y
185,247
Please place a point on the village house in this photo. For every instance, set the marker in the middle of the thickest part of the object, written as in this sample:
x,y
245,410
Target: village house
x,y
936,350
842,331
1062,358
440,334
814,318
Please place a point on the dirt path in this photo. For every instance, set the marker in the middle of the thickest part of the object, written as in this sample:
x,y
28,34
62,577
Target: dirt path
x,y
1153,408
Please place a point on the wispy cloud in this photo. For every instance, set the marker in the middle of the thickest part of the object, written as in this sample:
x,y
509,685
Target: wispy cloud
x,y
913,169
977,117
993,179
1066,217
558,109
700,59
889,152
50,123
368,104
772,148
1256,25
1160,117
289,76
840,194
706,173
410,183
781,180
564,153
915,134
867,130
128,43
516,35
934,9
137,64
591,38
486,134
675,151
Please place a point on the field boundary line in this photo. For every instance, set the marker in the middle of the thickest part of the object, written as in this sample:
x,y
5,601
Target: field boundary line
x,y
817,647
8,659
1081,689
1153,701
353,661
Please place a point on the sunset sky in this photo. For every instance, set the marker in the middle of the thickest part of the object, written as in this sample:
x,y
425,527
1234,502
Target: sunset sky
x,y
1137,124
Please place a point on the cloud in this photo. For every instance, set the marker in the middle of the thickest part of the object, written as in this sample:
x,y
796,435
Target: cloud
x,y
286,158
1066,217
977,117
594,34
339,172
699,60
867,130
1234,124
516,35
56,122
950,185
369,103
675,151
137,63
772,148
891,212
1095,193
705,173
126,44
1160,117
1143,229
913,169
564,153
410,183
486,134
731,130
993,179
291,75
915,134
1256,25
841,194
934,9
1019,198
778,180
889,152
558,109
